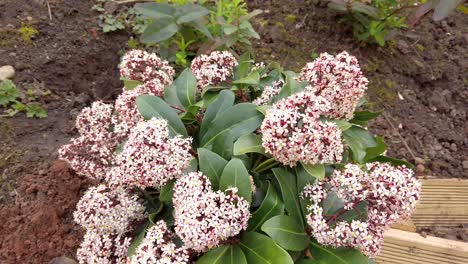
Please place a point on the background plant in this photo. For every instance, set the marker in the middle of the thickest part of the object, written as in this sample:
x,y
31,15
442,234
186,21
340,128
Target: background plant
x,y
373,21
11,101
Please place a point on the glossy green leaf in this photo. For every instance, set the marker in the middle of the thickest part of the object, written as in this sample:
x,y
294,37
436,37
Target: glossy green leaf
x,y
130,84
287,232
224,145
359,140
377,150
394,162
337,255
170,96
271,206
152,106
165,194
260,249
223,102
303,179
252,79
156,10
186,87
212,165
236,175
190,12
227,254
138,239
362,117
159,30
289,192
290,87
248,144
317,170
341,124
239,120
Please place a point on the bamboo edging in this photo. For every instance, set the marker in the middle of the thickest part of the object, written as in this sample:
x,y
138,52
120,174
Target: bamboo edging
x,y
412,248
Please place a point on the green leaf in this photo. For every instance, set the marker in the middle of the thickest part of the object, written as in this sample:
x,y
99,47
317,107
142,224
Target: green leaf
x,y
165,195
130,84
341,124
317,170
35,110
260,249
377,150
289,234
223,146
170,96
290,194
152,106
137,241
238,120
156,10
263,109
366,9
227,254
8,92
248,144
186,87
236,175
290,87
229,29
212,165
359,140
190,12
159,30
221,104
444,8
252,79
394,162
303,179
271,206
362,117
337,255
200,26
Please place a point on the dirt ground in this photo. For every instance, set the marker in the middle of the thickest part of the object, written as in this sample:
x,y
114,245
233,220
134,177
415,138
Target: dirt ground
x,y
420,80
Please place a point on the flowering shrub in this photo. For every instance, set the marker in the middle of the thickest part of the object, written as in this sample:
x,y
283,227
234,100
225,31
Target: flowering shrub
x,y
236,161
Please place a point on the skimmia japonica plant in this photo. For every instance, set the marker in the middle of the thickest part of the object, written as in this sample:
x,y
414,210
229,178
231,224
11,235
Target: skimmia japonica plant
x,y
236,162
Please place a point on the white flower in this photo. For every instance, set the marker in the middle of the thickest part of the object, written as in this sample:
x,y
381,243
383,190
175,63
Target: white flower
x,y
103,248
213,69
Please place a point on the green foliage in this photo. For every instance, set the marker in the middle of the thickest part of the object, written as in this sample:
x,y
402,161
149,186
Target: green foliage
x,y
27,32
10,99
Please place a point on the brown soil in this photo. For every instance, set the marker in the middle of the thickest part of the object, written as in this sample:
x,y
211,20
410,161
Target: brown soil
x,y
78,63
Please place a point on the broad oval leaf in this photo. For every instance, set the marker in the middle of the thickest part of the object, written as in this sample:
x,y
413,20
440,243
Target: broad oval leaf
x,y
260,249
236,175
190,12
248,144
227,254
337,255
290,194
271,206
186,87
223,146
159,30
316,170
287,232
359,140
212,165
238,120
223,102
155,10
252,79
152,106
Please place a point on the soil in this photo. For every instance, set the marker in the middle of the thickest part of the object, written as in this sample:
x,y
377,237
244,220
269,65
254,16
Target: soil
x,y
419,79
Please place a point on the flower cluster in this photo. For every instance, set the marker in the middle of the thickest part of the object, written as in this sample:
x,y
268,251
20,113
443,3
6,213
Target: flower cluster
x,y
390,193
204,218
103,248
213,69
106,210
91,153
150,157
269,92
147,68
292,131
338,79
157,248
127,112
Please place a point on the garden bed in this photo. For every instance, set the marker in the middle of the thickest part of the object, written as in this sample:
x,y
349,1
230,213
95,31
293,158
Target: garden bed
x,y
421,80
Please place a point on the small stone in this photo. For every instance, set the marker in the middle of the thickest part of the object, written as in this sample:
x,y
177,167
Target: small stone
x,y
420,169
419,161
465,164
62,260
453,147
7,72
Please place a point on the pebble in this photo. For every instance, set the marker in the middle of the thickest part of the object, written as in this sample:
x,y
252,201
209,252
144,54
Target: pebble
x,y
419,160
465,164
420,169
62,260
7,72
